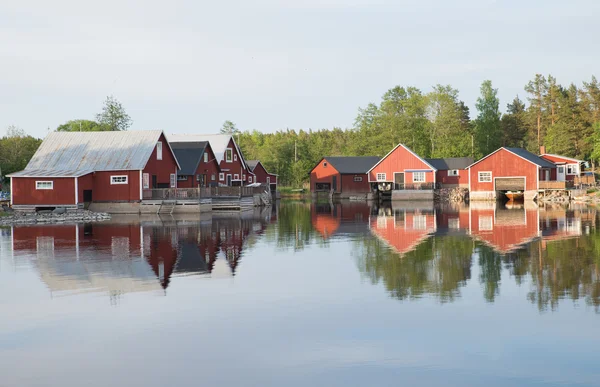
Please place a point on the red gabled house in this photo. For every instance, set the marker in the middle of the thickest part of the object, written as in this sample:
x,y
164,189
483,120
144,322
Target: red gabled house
x,y
233,168
199,167
259,174
402,169
73,168
342,176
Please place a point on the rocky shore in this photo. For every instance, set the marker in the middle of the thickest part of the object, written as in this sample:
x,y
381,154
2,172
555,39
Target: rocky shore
x,y
452,195
80,216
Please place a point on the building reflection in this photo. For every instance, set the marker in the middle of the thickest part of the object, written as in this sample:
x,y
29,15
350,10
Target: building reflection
x,y
124,257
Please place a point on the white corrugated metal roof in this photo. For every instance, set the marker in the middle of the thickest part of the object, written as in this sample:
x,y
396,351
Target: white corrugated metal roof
x,y
218,143
77,153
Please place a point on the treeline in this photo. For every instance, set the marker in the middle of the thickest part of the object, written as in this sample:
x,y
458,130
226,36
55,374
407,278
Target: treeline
x,y
564,119
16,149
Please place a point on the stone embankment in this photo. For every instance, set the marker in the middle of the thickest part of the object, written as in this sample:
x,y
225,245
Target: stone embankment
x,y
452,195
80,216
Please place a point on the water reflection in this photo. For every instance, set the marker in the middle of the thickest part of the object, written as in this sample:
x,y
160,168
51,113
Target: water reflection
x,y
135,254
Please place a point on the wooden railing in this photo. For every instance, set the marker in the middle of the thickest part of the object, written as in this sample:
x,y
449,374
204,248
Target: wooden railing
x,y
200,192
544,184
416,186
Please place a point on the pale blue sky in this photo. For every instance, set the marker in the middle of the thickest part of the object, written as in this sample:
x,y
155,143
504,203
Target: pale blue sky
x,y
186,66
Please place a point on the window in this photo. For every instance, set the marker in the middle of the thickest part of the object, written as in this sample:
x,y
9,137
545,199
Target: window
x,y
485,177
572,169
173,180
325,164
228,155
418,177
453,172
454,223
221,176
485,223
357,179
159,151
268,180
212,177
244,177
561,170
420,221
44,185
381,177
122,179
236,177
182,178
234,157
249,179
146,180
205,157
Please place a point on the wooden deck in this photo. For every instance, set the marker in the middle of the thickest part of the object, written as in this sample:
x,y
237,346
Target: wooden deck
x,y
555,185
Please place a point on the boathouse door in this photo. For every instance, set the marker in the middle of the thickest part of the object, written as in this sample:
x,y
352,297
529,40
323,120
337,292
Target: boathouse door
x,y
560,173
398,180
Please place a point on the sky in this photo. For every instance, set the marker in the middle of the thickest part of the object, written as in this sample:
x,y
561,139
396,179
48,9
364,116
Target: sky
x,y
187,66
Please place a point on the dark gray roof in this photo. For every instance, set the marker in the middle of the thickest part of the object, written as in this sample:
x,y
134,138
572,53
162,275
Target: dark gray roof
x,y
450,163
189,155
252,164
353,164
531,157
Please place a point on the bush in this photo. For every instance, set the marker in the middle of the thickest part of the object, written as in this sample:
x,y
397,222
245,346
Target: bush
x,y
592,190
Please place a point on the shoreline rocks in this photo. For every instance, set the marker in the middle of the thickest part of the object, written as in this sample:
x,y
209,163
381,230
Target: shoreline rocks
x,y
453,195
79,216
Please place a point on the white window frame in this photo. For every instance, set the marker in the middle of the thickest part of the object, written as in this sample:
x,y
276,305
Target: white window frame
x,y
234,157
244,177
479,175
574,169
453,172
236,176
268,179
249,179
182,177
419,222
173,180
205,157
486,223
415,174
213,177
146,180
228,155
44,185
119,179
382,176
358,179
159,150
221,176
325,164
561,169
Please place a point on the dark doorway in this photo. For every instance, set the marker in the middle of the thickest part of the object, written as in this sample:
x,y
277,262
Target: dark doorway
x,y
154,182
399,181
229,180
87,195
334,184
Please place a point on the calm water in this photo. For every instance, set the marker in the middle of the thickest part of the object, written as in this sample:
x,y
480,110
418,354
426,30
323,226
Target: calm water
x,y
306,295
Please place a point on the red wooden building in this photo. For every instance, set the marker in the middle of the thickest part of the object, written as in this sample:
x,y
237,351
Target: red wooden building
x,y
402,169
566,168
452,171
233,168
405,230
72,168
509,169
259,174
199,167
344,176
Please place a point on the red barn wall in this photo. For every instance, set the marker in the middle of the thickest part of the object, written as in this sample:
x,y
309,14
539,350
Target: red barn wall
x,y
24,192
261,174
505,236
399,161
25,237
324,174
85,183
504,164
209,169
461,180
161,168
103,191
350,186
401,235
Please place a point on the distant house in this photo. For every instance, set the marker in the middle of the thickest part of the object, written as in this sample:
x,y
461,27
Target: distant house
x,y
234,171
509,169
344,176
402,169
566,168
199,167
259,174
452,171
72,168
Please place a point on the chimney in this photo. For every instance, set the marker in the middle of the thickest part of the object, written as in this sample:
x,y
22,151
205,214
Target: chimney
x,y
542,150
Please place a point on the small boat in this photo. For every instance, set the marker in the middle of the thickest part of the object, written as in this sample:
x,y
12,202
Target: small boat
x,y
514,196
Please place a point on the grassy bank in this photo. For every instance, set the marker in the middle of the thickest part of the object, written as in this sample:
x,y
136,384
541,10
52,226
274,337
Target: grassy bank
x,y
293,192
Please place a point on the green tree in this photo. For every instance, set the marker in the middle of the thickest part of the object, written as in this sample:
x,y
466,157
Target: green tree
x,y
16,149
229,128
514,128
488,132
113,116
80,126
536,90
446,130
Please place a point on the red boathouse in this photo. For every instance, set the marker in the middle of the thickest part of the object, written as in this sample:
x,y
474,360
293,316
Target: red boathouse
x,y
342,176
73,168
259,174
199,167
566,168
